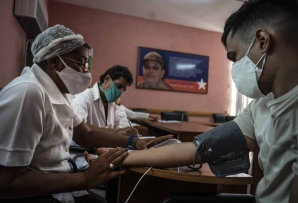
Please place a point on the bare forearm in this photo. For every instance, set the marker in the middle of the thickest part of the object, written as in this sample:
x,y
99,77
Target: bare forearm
x,y
98,137
105,130
294,189
33,183
163,157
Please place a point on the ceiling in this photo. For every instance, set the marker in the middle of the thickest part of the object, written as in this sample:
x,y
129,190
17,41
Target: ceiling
x,y
203,14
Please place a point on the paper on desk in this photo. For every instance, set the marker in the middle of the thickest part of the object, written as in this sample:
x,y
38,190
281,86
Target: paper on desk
x,y
146,137
167,142
164,121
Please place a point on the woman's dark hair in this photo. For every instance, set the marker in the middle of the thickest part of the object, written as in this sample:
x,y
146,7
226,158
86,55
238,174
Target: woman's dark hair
x,y
116,72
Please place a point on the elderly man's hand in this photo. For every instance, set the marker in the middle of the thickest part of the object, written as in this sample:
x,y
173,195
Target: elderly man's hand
x,y
101,150
101,169
149,142
127,131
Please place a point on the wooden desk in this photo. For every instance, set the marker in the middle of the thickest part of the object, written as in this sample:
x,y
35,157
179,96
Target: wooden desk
x,y
184,131
210,124
158,183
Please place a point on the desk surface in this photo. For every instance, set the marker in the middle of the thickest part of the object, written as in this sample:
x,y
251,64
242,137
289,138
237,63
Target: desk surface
x,y
204,175
159,183
178,128
209,123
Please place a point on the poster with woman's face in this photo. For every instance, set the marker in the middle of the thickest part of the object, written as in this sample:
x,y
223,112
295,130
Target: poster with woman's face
x,y
172,71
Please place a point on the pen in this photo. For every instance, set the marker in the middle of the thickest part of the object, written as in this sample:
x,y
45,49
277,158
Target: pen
x,y
132,127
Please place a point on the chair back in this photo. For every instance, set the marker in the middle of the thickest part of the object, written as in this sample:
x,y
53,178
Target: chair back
x,y
140,110
185,114
230,118
219,118
170,116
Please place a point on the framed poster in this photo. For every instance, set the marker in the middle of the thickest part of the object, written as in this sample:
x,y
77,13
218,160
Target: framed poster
x,y
172,71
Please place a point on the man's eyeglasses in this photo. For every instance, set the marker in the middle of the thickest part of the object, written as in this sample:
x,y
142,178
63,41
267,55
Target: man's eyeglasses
x,y
83,66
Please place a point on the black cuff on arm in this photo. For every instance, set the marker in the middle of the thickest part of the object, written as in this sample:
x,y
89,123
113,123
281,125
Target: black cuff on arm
x,y
224,149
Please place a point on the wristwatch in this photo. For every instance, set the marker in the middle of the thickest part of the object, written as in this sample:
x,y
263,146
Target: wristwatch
x,y
130,141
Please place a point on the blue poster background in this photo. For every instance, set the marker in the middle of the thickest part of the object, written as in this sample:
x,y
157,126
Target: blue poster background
x,y
179,66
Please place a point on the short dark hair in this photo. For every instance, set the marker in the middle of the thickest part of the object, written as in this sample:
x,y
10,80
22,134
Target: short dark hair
x,y
254,14
116,72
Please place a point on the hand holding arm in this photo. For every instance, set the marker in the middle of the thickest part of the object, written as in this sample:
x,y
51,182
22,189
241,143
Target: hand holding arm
x,y
99,172
18,182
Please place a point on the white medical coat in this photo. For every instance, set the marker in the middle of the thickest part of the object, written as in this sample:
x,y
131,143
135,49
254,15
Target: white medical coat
x,y
90,107
37,123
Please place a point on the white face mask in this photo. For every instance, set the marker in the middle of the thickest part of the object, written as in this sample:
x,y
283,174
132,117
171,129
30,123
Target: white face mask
x,y
74,81
246,75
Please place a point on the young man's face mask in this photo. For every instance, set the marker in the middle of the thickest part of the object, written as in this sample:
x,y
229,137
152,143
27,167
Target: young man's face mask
x,y
246,75
113,93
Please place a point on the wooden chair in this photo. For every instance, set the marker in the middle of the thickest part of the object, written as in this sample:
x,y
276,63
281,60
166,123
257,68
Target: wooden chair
x,y
185,114
230,118
219,118
170,116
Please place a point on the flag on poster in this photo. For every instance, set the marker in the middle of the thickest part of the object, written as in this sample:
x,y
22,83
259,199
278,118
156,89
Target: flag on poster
x,y
172,71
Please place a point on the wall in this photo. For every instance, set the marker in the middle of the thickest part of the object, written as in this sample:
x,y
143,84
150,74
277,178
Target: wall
x,y
12,43
115,39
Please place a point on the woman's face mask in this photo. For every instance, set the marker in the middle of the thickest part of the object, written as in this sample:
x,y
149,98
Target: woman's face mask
x,y
74,81
246,75
113,93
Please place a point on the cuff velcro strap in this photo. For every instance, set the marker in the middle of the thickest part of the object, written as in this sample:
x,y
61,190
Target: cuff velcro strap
x,y
224,149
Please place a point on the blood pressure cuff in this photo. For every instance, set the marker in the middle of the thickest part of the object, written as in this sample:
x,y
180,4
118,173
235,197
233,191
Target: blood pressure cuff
x,y
224,149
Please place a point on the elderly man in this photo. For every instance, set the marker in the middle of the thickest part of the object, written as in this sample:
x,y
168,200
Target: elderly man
x,y
38,122
153,71
261,40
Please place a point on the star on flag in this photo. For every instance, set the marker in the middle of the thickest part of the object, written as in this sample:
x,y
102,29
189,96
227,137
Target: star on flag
x,y
202,84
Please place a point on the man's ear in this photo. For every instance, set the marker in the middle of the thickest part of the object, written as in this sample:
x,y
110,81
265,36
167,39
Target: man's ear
x,y
107,78
263,39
